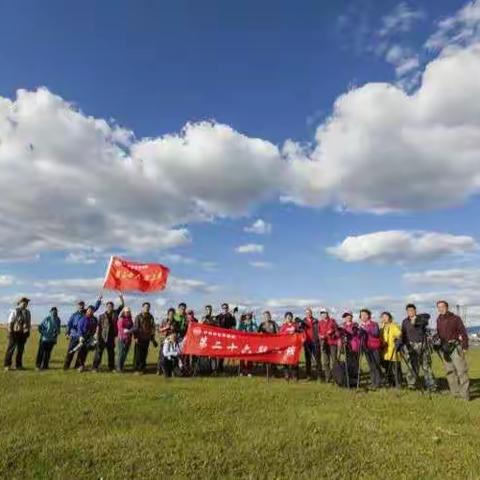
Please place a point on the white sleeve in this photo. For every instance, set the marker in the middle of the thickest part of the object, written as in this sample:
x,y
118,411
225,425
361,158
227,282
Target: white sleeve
x,y
11,317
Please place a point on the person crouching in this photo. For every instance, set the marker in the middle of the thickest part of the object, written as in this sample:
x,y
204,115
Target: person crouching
x,y
171,352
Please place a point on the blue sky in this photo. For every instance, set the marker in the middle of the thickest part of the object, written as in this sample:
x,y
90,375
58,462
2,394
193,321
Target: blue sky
x,y
320,124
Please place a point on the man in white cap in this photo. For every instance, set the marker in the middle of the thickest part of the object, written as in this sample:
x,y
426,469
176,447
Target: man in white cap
x,y
19,325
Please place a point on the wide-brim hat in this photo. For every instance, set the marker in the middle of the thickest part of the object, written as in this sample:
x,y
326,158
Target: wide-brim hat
x,y
23,299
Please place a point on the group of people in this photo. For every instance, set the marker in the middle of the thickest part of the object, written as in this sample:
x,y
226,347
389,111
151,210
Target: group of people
x,y
332,350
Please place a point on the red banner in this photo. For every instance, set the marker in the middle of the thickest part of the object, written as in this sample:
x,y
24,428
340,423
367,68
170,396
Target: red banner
x,y
124,275
206,340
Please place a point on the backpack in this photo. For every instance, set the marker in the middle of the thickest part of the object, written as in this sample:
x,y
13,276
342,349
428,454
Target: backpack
x,y
21,321
339,374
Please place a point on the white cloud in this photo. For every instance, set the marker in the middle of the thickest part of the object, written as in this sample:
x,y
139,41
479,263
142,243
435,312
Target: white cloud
x,y
399,246
293,303
259,227
91,185
187,285
6,280
250,248
460,29
383,150
462,278
401,19
261,264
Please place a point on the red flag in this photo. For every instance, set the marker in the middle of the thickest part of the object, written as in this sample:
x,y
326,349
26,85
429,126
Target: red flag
x,y
209,341
124,275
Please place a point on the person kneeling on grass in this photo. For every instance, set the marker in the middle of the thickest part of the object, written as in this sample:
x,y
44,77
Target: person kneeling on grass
x,y
49,330
247,324
167,327
289,326
124,339
171,353
454,344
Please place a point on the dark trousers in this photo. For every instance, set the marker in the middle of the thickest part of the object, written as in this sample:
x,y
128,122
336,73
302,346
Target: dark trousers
x,y
246,368
122,352
352,362
141,353
291,372
373,360
73,342
101,346
16,341
312,351
169,365
43,354
81,356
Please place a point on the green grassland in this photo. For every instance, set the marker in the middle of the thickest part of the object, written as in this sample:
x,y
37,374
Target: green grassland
x,y
68,425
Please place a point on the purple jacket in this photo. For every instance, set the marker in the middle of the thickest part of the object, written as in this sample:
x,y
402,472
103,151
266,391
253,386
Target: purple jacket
x,y
87,326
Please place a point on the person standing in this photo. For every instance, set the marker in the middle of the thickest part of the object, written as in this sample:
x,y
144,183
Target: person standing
x,y
247,324
106,334
72,332
351,343
289,326
268,326
208,318
454,344
390,333
328,334
311,345
370,346
124,338
19,325
144,333
225,320
49,330
415,347
87,326
181,319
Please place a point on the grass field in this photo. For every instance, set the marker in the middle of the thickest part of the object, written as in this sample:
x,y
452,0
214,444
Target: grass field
x,y
68,425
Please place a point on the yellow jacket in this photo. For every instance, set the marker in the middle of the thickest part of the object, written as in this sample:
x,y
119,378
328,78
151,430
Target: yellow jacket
x,y
389,332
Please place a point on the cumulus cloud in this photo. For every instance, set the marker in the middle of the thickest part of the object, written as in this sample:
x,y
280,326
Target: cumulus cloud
x,y
259,227
73,183
250,248
399,246
383,150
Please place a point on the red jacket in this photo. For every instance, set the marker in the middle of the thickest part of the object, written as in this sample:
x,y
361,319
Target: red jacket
x,y
310,324
328,331
288,328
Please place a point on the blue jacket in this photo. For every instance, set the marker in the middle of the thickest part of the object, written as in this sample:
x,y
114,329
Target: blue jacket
x,y
72,326
49,329
87,327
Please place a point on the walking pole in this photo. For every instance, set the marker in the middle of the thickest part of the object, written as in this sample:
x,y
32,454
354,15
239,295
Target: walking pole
x,y
268,372
359,362
347,373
